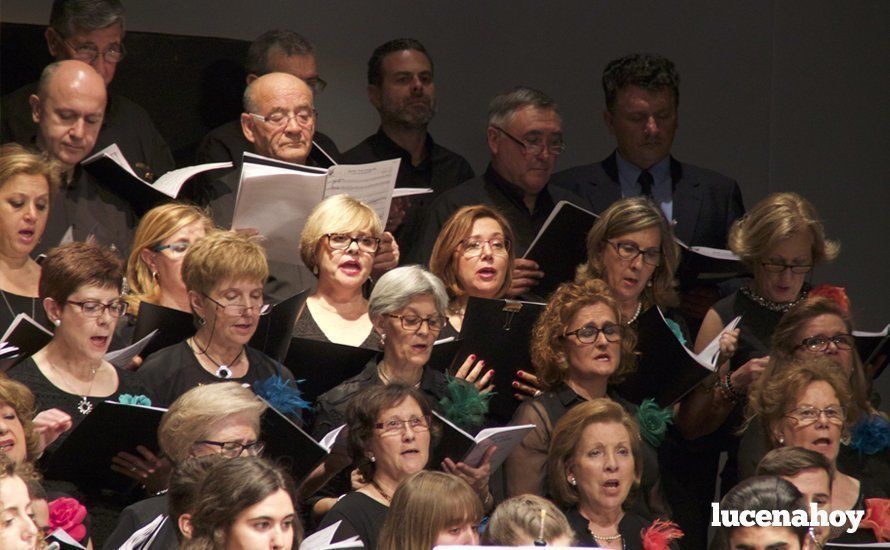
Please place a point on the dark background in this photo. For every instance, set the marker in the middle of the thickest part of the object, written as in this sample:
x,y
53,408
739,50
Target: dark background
x,y
781,95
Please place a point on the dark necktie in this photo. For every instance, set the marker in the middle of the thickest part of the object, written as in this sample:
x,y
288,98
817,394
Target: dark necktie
x,y
646,180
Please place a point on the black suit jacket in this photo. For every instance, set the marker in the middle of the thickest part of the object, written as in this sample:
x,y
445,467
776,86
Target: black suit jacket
x,y
705,202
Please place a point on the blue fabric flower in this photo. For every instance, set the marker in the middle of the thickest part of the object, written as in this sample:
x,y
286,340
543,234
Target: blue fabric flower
x,y
128,399
871,434
282,394
653,421
675,328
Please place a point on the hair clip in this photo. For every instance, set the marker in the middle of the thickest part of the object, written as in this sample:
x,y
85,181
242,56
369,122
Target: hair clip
x,y
540,540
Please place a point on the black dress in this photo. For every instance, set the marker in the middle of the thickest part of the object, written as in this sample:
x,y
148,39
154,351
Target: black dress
x,y
13,304
172,371
360,515
629,527
306,327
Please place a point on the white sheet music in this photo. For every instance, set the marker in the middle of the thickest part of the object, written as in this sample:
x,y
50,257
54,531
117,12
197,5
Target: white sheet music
x,y
371,183
321,540
122,357
708,356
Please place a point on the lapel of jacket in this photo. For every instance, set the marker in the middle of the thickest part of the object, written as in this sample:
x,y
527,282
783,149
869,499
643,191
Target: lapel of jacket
x,y
603,192
687,202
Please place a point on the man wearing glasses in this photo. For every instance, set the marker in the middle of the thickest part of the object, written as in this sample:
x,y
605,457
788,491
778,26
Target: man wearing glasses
x,y
642,99
281,51
524,139
402,87
92,31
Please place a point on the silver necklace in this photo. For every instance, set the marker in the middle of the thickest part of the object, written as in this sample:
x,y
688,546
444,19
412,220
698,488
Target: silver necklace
x,y
766,303
84,406
9,306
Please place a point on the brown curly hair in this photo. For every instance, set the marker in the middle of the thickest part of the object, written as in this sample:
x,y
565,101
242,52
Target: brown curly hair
x,y
17,396
783,380
548,335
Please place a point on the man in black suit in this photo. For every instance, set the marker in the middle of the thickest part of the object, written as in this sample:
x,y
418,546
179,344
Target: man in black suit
x,y
642,99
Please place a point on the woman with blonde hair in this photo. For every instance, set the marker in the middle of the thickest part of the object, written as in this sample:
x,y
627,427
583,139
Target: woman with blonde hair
x,y
339,244
528,520
28,182
429,509
154,268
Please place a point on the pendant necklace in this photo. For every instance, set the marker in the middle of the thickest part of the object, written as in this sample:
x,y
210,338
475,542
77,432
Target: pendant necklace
x,y
222,371
84,406
9,306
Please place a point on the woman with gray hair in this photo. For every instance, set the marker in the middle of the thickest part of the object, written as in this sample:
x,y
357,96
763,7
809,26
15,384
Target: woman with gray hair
x,y
408,308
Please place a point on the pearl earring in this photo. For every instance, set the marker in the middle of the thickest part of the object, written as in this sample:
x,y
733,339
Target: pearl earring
x,y
573,481
154,275
57,322
781,440
372,459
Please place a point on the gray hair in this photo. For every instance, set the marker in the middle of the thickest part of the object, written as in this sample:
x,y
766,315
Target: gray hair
x,y
503,106
68,17
289,42
396,288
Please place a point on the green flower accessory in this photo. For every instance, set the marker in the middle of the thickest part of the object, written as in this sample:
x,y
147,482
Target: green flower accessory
x,y
675,328
653,421
463,404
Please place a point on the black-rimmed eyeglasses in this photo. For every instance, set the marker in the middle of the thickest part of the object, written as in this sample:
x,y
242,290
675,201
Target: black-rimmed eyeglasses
x,y
94,308
588,334
342,241
412,323
535,146
630,251
820,343
234,449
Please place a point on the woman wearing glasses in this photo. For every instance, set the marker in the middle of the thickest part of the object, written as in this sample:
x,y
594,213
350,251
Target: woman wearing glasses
x,y
154,269
389,435
579,347
338,244
809,403
224,273
219,419
27,183
80,286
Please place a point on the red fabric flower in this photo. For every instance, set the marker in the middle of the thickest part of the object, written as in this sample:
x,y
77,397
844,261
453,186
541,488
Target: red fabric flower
x,y
67,514
659,535
877,518
836,294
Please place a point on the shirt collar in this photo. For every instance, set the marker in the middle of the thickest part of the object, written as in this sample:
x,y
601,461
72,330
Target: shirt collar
x,y
661,171
514,192
387,148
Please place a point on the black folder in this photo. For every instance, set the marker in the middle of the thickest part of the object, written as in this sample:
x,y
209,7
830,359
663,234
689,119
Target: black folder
x,y
871,347
272,336
324,365
28,336
699,267
561,245
84,457
173,326
444,355
288,445
499,333
664,371
452,443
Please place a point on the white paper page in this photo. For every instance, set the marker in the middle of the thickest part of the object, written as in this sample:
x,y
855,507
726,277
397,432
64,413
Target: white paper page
x,y
864,334
171,183
143,534
321,540
716,253
712,351
122,357
114,153
703,359
860,545
21,318
505,438
62,536
331,438
68,237
444,340
410,191
477,547
276,202
370,183
453,425
6,349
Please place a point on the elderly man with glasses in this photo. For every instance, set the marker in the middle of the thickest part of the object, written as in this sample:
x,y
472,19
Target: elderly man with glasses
x,y
92,31
524,139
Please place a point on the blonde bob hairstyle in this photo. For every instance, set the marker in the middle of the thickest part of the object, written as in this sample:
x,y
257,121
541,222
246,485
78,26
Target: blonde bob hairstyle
x,y
425,504
446,252
626,216
158,224
337,214
223,256
567,435
548,336
15,160
773,219
518,519
19,398
786,342
202,410
783,381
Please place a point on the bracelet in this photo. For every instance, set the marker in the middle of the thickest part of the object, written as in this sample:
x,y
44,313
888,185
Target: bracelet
x,y
725,389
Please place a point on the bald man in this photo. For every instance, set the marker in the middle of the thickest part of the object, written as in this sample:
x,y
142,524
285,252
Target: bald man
x,y
68,110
